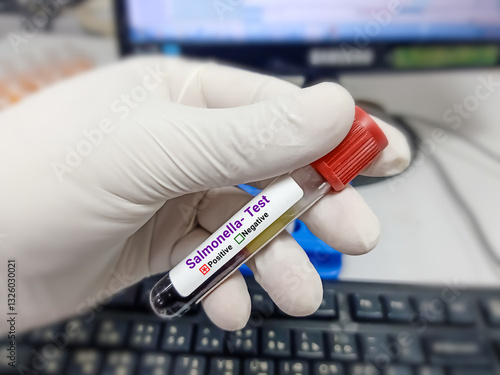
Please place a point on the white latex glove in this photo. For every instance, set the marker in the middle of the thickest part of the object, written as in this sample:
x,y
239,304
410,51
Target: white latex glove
x,y
104,180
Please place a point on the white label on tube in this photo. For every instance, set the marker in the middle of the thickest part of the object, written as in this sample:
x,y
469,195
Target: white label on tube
x,y
235,234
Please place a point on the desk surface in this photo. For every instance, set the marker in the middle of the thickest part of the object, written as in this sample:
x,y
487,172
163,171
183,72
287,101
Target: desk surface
x,y
426,238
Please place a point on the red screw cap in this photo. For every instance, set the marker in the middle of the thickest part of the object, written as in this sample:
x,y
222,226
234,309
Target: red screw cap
x,y
361,145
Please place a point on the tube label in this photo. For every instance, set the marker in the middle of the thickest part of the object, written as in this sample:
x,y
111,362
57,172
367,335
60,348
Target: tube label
x,y
235,234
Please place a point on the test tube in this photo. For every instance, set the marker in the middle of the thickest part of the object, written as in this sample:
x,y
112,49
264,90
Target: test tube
x,y
263,218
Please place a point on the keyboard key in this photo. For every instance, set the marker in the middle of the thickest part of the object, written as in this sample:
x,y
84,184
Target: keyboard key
x,y
189,365
430,370
343,346
177,337
462,312
309,344
46,334
358,369
144,336
432,310
398,308
471,371
79,331
398,370
22,360
112,333
85,362
328,307
155,364
293,368
276,342
492,309
54,359
224,366
243,341
373,347
366,307
259,367
456,350
210,339
406,348
328,368
120,362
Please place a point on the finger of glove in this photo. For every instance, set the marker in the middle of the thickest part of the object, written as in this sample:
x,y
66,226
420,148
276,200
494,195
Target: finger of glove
x,y
183,149
285,272
207,84
344,221
395,158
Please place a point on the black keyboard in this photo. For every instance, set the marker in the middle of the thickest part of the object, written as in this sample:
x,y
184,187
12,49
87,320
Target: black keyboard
x,y
360,329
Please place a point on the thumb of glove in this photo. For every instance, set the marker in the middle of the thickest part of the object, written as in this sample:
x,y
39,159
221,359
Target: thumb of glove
x,y
176,149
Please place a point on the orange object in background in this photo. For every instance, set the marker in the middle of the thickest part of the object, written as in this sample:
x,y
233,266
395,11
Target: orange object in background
x,y
75,66
19,83
9,94
28,83
3,96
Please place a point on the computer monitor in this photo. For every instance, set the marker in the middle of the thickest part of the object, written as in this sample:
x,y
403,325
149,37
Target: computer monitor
x,y
312,37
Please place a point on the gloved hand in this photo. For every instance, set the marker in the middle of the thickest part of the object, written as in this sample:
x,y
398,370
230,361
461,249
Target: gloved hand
x,y
119,173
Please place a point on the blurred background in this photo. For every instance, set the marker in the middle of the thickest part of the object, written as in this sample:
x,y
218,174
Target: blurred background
x,y
426,301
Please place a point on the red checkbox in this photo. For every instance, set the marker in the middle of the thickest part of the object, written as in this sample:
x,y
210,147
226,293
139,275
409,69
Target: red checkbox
x,y
204,269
